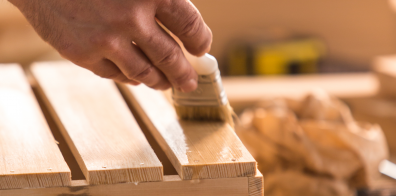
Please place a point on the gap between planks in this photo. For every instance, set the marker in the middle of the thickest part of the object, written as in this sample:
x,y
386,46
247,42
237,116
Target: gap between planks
x,y
29,156
97,125
230,186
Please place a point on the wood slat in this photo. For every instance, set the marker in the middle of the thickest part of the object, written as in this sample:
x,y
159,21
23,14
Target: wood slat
x,y
104,137
245,92
171,186
196,149
384,68
29,155
256,185
345,85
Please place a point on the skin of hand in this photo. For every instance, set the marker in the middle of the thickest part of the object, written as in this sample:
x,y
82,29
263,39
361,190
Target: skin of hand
x,y
121,39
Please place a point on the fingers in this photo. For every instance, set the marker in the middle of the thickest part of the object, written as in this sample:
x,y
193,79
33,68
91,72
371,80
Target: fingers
x,y
184,20
135,66
107,69
165,54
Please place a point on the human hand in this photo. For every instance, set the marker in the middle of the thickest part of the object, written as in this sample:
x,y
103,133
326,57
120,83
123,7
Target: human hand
x,y
121,39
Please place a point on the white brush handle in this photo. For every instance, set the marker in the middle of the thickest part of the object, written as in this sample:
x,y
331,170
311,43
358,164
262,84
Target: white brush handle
x,y
204,65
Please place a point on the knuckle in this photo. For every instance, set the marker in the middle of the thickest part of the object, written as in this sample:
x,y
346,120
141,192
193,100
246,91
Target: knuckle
x,y
166,3
144,74
169,58
138,73
141,30
103,41
192,26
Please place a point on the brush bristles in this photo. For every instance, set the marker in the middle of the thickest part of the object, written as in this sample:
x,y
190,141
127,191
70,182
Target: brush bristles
x,y
210,113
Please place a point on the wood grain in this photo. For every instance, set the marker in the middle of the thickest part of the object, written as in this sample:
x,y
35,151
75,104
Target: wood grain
x,y
100,130
256,185
196,149
171,186
29,156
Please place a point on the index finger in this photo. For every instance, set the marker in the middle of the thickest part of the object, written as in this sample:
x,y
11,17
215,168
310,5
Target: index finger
x,y
165,54
183,19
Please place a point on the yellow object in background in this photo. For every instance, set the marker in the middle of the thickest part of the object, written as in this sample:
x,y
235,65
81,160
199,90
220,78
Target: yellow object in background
x,y
270,62
288,57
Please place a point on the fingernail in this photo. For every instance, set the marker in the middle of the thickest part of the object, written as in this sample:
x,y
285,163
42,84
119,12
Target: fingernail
x,y
189,86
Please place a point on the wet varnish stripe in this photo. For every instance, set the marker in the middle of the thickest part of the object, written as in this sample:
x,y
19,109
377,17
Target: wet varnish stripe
x,y
197,149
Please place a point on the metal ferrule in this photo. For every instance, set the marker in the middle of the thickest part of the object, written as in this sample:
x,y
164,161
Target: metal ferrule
x,y
210,92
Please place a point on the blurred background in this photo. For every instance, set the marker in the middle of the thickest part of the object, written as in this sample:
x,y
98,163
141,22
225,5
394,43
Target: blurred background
x,y
342,34
344,48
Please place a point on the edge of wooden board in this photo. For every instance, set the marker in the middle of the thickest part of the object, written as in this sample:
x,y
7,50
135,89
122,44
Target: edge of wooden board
x,y
256,185
172,185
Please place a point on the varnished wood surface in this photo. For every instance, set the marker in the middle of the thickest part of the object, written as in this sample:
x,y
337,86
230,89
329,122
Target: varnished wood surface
x,y
94,119
29,155
196,149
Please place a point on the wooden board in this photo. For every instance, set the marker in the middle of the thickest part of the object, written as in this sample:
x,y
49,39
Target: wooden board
x,y
256,185
29,155
197,149
99,128
246,91
385,69
171,186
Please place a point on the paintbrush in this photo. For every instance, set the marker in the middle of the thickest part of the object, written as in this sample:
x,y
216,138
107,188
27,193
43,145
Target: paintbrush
x,y
209,101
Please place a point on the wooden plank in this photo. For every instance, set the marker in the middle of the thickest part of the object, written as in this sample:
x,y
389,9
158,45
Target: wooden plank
x,y
246,91
385,69
256,185
197,149
171,186
29,155
104,137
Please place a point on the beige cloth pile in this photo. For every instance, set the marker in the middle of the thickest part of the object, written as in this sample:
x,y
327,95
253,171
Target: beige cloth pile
x,y
312,146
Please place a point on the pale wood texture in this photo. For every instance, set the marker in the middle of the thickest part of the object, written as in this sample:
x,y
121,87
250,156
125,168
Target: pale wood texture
x,y
246,91
256,185
171,186
99,128
196,149
29,155
385,69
